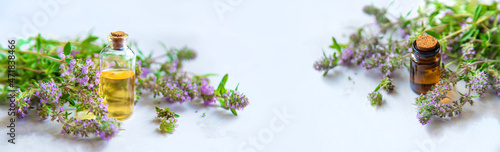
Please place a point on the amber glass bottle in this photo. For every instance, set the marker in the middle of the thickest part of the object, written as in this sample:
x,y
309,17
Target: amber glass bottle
x,y
117,65
425,64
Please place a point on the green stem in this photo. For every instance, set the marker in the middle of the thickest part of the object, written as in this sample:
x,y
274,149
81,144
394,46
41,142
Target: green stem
x,y
26,68
476,63
482,19
451,62
43,55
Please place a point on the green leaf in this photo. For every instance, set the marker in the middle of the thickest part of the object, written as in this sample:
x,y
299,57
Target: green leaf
x,y
163,45
433,34
21,42
67,48
89,39
207,75
77,104
140,52
79,109
335,45
377,88
48,70
220,89
467,35
234,112
71,102
38,44
477,12
222,103
176,116
433,14
409,12
495,23
48,109
237,87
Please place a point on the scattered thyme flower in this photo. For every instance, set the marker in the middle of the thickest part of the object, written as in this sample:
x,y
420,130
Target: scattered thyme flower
x,y
386,84
375,98
168,125
168,119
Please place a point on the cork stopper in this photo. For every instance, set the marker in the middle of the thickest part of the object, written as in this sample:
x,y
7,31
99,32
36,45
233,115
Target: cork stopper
x,y
426,43
118,39
118,34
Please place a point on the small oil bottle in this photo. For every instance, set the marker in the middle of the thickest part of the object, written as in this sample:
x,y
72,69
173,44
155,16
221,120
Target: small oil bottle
x,y
425,64
117,66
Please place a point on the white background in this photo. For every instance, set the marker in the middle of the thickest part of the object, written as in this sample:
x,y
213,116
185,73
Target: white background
x,y
269,48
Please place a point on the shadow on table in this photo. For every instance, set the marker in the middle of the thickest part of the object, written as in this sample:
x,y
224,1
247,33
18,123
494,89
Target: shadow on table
x,y
83,144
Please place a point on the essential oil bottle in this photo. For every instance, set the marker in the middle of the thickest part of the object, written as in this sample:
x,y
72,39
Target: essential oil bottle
x,y
425,64
117,66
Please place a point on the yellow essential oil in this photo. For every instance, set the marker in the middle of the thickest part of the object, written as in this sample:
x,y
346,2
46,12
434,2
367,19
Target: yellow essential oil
x,y
117,86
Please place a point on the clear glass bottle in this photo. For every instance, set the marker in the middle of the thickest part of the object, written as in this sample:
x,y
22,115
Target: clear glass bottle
x,y
425,64
117,66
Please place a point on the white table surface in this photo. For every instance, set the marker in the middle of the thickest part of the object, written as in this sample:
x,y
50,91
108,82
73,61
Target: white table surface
x,y
269,48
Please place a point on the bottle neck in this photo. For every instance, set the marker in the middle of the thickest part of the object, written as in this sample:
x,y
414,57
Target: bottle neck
x,y
425,54
118,43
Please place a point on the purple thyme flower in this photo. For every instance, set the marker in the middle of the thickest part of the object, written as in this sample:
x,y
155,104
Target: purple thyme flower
x,y
449,12
236,100
205,88
61,53
469,20
104,127
347,55
145,72
479,83
74,52
174,93
325,64
468,51
173,68
89,62
207,93
61,67
85,69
